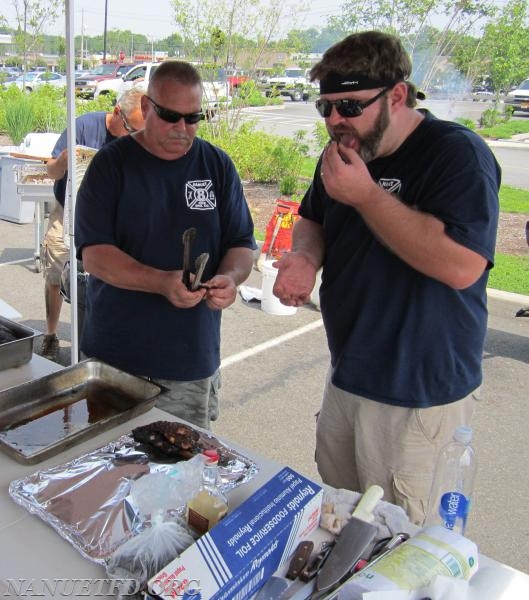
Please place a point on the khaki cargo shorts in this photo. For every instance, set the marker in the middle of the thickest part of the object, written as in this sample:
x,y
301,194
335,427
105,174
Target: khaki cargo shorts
x,y
54,251
360,442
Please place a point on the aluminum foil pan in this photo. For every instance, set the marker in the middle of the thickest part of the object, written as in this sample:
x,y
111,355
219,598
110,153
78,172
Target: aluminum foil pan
x,y
88,500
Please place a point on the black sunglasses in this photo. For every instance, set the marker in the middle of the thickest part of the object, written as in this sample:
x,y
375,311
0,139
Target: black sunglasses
x,y
346,107
171,116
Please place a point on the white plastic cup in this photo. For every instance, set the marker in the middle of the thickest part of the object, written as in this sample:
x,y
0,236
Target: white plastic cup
x,y
270,303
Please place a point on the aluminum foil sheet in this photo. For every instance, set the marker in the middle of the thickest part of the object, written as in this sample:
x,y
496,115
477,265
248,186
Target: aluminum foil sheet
x,y
88,500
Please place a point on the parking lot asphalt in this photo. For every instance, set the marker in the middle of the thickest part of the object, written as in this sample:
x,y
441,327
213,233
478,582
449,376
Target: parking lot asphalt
x,y
273,368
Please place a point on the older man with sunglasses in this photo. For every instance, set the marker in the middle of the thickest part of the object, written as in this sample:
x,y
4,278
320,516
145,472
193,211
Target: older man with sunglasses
x,y
402,215
139,195
93,129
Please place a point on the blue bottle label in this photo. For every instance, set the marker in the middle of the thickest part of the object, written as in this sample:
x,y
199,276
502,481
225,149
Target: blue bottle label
x,y
454,507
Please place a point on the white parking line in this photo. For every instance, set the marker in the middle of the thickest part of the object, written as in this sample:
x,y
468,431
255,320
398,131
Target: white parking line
x,y
235,358
16,262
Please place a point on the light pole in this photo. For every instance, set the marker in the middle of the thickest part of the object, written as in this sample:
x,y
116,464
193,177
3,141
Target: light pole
x,y
25,57
105,34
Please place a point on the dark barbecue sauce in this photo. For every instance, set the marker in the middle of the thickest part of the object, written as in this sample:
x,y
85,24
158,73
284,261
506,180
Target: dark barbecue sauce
x,y
65,415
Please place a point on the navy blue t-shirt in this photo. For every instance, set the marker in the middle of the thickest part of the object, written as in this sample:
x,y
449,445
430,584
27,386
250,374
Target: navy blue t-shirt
x,y
396,335
142,204
91,131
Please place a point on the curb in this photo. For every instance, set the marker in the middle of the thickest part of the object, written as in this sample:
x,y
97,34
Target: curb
x,y
509,296
521,145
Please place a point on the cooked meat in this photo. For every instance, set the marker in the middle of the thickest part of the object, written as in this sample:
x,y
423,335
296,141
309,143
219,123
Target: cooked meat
x,y
173,439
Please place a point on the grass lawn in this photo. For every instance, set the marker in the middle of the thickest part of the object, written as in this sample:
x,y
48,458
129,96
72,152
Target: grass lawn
x,y
511,273
504,131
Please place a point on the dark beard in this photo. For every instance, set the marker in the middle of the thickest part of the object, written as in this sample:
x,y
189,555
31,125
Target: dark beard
x,y
370,143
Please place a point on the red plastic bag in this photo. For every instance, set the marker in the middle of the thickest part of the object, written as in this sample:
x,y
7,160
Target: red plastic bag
x,y
278,238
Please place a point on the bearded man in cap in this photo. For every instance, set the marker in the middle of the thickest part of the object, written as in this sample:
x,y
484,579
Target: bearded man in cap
x,y
402,215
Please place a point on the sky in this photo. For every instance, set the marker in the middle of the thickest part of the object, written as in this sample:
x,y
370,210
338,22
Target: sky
x,y
153,18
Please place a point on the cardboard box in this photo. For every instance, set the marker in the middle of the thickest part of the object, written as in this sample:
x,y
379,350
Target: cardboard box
x,y
235,558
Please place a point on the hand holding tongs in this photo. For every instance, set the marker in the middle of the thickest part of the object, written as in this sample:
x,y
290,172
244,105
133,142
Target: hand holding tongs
x,y
188,237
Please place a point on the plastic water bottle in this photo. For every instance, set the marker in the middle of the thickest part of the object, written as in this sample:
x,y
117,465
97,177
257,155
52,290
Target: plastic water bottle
x,y
210,505
453,483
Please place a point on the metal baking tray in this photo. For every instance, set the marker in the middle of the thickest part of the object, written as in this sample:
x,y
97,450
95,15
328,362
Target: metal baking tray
x,y
17,352
33,180
45,416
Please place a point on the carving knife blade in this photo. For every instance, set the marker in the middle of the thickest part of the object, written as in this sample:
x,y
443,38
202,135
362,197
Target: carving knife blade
x,y
351,543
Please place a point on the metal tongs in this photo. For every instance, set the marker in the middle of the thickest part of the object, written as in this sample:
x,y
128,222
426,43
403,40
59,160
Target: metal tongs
x,y
188,237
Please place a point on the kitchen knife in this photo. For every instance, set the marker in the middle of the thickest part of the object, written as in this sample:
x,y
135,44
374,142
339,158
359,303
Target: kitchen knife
x,y
351,543
276,586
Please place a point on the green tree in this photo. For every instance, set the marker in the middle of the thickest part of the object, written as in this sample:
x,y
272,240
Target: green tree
x,y
301,40
412,21
218,43
461,17
249,27
503,49
173,45
32,17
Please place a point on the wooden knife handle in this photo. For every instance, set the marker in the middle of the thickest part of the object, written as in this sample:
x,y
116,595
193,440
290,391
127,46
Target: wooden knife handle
x,y
299,559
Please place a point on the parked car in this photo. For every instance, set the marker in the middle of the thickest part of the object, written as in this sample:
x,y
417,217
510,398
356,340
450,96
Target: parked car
x,y
34,79
294,83
7,75
106,86
235,78
216,93
81,73
519,98
11,71
85,86
482,93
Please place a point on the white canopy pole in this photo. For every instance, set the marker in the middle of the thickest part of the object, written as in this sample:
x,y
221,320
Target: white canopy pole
x,y
71,186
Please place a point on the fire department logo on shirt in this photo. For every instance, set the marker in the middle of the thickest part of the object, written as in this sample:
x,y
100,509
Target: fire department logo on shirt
x,y
200,195
390,185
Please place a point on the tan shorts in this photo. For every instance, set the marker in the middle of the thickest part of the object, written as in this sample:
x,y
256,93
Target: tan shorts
x,y
360,442
54,251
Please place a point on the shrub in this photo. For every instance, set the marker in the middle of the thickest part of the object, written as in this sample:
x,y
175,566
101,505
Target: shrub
x,y
49,108
288,185
19,118
248,94
103,103
468,123
257,156
490,118
321,135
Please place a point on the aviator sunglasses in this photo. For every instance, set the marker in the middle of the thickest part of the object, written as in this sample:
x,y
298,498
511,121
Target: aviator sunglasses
x,y
347,107
171,116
